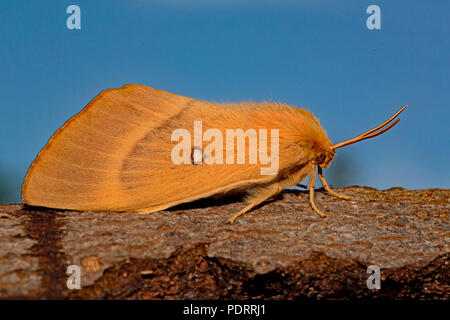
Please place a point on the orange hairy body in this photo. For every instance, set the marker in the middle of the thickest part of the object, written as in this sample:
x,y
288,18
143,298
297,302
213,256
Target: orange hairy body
x,y
115,154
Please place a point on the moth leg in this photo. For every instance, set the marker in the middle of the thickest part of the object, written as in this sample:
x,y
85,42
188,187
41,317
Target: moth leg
x,y
261,195
330,191
312,180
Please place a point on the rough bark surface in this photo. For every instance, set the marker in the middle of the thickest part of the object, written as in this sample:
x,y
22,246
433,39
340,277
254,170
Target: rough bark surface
x,y
280,250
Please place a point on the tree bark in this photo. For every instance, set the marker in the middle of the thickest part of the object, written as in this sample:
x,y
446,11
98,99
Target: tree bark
x,y
280,250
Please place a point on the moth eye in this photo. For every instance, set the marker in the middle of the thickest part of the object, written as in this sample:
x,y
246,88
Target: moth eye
x,y
321,158
197,155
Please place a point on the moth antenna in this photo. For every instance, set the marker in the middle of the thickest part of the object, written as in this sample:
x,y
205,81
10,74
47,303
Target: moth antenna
x,y
386,122
361,138
372,132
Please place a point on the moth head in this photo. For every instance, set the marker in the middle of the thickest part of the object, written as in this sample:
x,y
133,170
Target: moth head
x,y
371,133
324,158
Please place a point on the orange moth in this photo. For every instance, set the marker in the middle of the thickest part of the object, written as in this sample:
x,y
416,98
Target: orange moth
x,y
117,154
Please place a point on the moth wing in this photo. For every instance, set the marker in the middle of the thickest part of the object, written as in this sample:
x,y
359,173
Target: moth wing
x,y
154,181
80,166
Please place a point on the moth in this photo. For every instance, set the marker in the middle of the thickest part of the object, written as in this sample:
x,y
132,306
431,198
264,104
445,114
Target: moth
x,y
117,153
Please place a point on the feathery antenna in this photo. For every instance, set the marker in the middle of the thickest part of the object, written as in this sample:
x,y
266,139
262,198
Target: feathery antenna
x,y
372,132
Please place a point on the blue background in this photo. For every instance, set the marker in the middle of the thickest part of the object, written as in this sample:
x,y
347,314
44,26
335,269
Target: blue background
x,y
315,54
